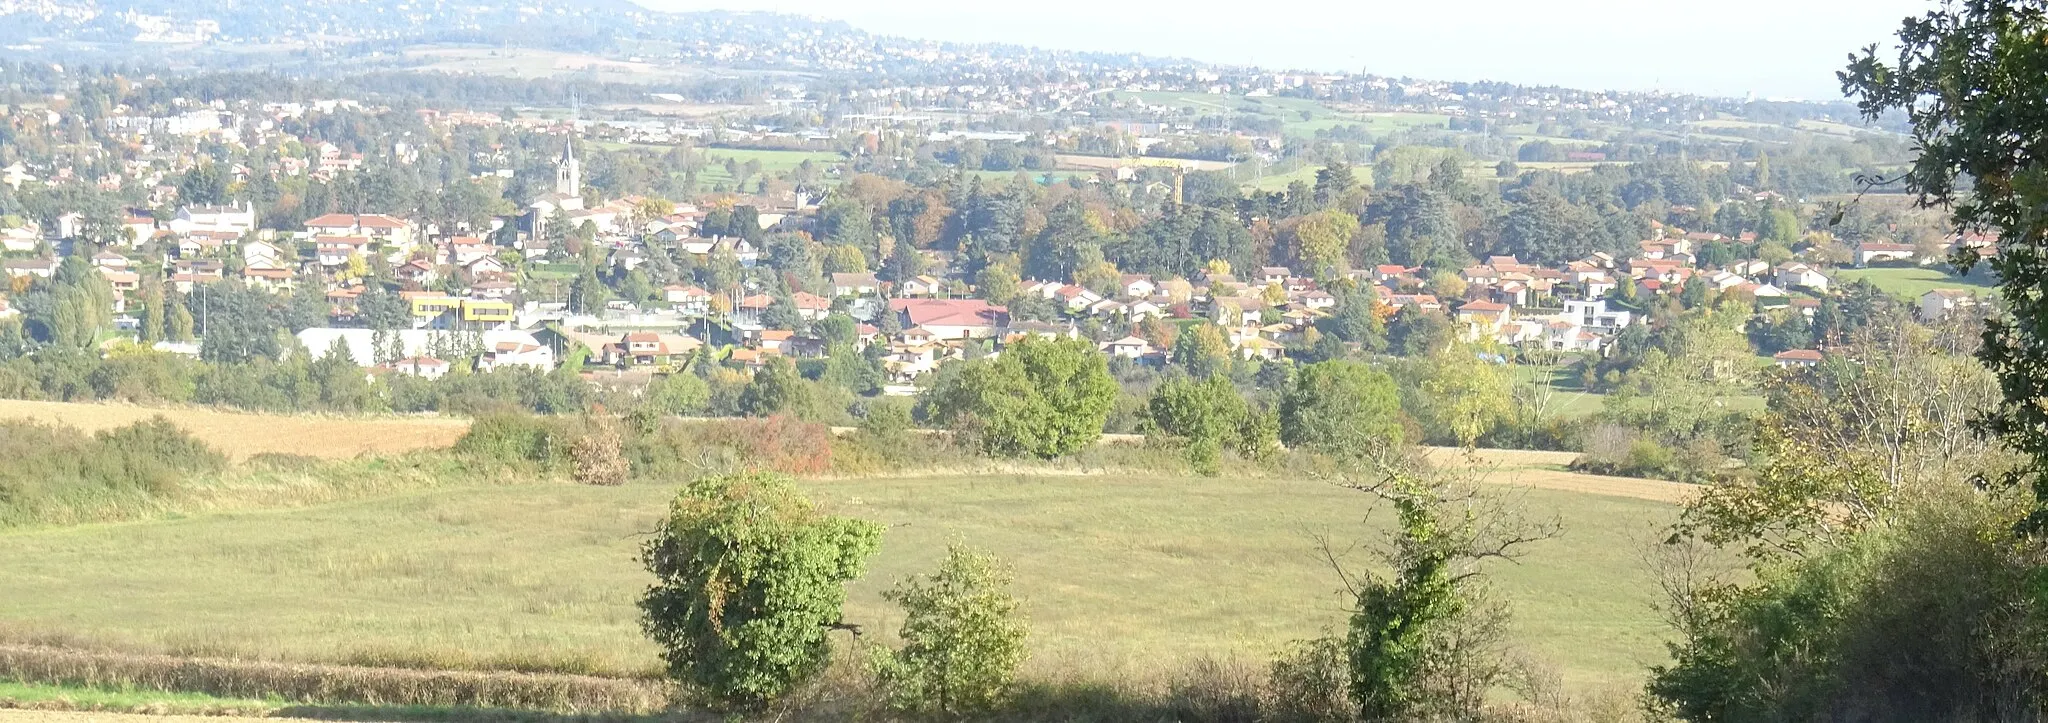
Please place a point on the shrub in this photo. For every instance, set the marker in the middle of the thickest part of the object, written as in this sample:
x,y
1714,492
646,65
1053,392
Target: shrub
x,y
962,638
1307,684
514,437
58,473
596,454
689,449
749,579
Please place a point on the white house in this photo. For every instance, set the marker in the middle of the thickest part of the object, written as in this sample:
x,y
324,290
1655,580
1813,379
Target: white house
x,y
1794,275
1939,303
1129,347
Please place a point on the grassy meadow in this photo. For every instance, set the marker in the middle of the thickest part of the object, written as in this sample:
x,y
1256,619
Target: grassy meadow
x,y
1123,576
1911,283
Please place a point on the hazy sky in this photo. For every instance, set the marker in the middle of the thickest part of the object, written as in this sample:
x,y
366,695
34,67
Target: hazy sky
x,y
1726,47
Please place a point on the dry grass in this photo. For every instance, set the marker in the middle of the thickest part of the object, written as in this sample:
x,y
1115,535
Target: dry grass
x,y
1537,469
331,683
242,435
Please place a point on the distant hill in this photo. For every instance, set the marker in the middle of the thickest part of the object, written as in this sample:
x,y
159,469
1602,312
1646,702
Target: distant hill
x,y
229,32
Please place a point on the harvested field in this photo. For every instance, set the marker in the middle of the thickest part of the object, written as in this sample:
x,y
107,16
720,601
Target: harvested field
x,y
242,435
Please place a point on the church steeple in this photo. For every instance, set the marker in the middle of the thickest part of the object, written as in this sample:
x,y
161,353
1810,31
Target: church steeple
x,y
569,171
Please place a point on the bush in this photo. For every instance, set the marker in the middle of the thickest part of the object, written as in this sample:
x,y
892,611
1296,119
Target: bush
x,y
962,638
57,474
1308,683
597,454
749,579
687,449
512,437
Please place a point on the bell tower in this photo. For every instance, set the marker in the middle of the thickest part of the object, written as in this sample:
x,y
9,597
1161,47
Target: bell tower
x,y
569,171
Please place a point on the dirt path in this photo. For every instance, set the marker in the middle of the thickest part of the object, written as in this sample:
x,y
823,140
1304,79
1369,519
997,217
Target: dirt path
x,y
241,435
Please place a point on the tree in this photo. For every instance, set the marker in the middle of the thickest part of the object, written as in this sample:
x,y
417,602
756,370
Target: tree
x,y
1042,398
1417,332
963,637
1968,80
776,389
1206,415
1543,228
1341,407
749,580
1459,395
1202,351
1322,240
1424,643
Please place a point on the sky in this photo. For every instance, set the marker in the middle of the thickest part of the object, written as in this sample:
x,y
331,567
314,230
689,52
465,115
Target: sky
x,y
1771,48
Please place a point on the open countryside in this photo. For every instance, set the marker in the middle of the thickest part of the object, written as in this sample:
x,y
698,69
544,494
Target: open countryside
x,y
596,360
1137,572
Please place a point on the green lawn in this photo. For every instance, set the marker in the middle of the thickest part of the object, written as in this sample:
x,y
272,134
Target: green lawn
x,y
1568,399
1911,283
1123,577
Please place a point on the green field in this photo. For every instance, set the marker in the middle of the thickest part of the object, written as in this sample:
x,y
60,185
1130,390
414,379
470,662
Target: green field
x,y
1567,399
1911,283
1300,117
1280,181
1123,577
772,162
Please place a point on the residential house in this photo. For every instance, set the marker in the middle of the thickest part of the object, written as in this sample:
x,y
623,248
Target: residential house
x,y
424,367
389,231
234,221
1130,347
121,280
952,318
487,267
811,307
921,286
1258,347
258,254
1316,300
646,347
1594,314
1795,275
335,251
267,278
862,284
29,267
1871,252
688,300
1483,319
1075,298
1136,286
506,354
417,271
1797,358
1939,303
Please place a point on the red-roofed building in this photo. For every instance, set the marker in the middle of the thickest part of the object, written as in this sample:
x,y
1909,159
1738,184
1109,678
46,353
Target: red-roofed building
x,y
952,318
1797,358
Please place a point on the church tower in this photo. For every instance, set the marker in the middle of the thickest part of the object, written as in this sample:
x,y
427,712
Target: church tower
x,y
569,171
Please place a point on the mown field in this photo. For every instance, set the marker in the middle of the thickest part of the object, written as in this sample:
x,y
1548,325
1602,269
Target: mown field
x,y
1911,283
1123,576
242,435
